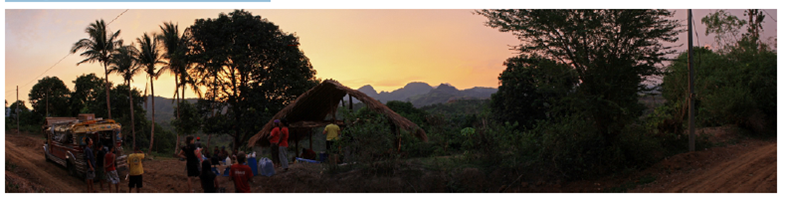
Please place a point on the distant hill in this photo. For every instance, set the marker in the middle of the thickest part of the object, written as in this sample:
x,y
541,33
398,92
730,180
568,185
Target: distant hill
x,y
401,94
165,107
422,94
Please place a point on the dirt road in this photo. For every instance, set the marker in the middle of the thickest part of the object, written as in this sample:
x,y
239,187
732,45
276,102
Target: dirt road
x,y
748,166
26,154
161,175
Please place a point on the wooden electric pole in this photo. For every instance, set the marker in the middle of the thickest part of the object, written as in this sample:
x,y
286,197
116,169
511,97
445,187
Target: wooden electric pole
x,y
47,103
691,95
17,109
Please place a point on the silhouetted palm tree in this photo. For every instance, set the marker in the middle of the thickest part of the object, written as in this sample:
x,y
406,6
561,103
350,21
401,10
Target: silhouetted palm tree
x,y
175,48
98,48
124,63
148,58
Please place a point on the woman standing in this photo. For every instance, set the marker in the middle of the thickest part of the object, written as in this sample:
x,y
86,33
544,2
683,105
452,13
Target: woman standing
x,y
208,178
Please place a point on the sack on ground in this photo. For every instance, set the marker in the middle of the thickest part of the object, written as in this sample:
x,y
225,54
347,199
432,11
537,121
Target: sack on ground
x,y
266,167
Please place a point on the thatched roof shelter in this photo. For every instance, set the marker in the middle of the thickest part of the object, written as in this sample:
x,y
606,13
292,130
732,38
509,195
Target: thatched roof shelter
x,y
310,109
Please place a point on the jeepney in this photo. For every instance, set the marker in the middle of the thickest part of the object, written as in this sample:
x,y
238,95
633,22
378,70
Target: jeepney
x,y
66,141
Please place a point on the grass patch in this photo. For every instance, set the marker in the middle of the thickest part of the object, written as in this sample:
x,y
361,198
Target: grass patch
x,y
11,187
338,168
631,185
441,163
9,166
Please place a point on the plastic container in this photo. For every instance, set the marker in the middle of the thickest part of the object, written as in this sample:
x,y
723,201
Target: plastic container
x,y
299,160
252,163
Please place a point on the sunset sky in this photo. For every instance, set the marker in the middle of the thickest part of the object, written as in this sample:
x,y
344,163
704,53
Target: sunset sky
x,y
384,48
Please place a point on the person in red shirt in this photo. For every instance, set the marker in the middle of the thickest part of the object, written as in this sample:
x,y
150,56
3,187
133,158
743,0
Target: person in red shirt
x,y
274,140
284,134
241,175
109,167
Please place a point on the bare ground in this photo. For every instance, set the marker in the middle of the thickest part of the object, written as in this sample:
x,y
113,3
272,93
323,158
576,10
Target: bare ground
x,y
750,165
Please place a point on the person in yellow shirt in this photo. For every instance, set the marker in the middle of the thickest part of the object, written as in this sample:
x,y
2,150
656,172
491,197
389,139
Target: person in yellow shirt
x,y
332,133
134,162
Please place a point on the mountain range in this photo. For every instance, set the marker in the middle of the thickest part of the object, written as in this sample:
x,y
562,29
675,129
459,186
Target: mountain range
x,y
419,93
422,94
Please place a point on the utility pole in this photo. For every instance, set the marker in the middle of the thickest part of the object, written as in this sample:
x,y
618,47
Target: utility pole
x,y
17,109
47,103
691,96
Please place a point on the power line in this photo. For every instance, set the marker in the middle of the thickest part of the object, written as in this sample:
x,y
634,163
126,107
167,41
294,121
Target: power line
x,y
116,17
695,27
770,16
64,57
39,75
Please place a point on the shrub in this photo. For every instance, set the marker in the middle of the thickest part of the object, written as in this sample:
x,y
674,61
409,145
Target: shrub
x,y
370,141
574,147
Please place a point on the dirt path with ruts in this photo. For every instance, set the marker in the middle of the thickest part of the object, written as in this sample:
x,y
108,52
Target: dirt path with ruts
x,y
750,166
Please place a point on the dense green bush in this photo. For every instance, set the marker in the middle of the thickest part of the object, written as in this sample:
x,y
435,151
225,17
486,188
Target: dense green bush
x,y
738,87
369,139
574,148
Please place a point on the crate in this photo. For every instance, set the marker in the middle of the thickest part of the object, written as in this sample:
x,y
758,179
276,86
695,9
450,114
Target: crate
x,y
86,117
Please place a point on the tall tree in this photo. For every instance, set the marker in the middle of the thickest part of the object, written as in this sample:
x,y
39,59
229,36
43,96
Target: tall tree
x,y
175,48
530,88
149,57
124,63
754,24
724,26
49,97
87,92
98,48
257,67
612,51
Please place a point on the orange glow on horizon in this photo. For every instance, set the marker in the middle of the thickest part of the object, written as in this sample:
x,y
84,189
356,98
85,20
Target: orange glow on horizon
x,y
383,48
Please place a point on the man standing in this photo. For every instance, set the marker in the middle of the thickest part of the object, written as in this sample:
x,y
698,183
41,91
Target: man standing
x,y
215,156
135,169
109,168
241,175
274,140
190,153
90,161
223,155
284,134
332,133
102,151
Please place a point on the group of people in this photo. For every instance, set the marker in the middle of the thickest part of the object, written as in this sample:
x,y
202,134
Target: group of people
x,y
199,162
200,166
102,166
278,139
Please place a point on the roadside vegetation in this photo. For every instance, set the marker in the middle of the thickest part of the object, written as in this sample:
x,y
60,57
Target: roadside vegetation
x,y
569,105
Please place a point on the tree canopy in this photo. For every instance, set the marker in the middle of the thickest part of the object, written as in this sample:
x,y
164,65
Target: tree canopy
x,y
611,52
736,84
256,68
50,94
